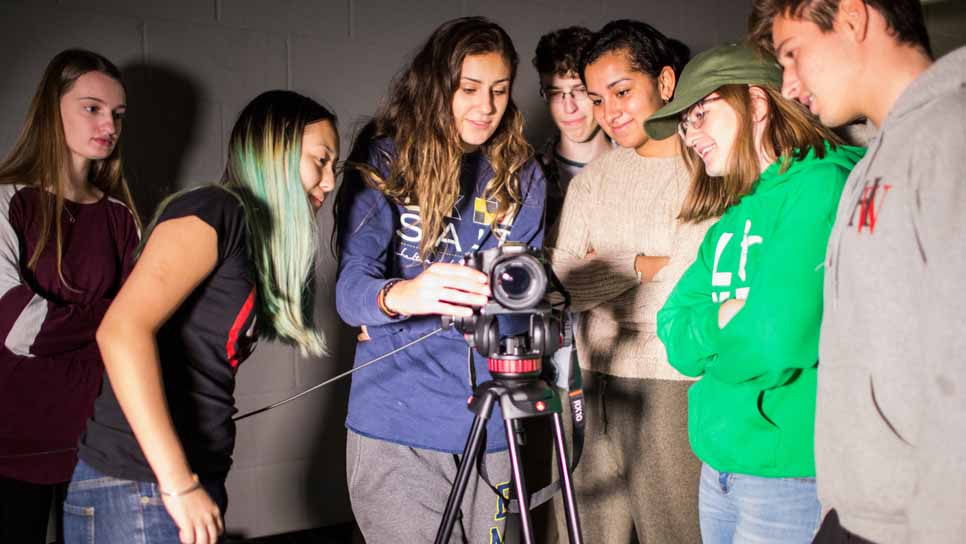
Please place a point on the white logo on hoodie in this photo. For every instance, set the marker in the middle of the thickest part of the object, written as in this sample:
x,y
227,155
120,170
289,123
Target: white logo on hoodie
x,y
723,279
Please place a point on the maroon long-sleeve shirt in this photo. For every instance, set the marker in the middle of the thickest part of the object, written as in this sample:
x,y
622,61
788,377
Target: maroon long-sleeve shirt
x,y
50,367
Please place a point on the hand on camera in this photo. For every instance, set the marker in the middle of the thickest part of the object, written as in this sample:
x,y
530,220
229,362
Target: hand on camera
x,y
443,288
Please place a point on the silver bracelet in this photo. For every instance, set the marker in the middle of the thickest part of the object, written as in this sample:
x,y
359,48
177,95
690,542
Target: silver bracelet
x,y
193,487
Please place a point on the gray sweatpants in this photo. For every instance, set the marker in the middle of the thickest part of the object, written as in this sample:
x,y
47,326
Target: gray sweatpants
x,y
398,493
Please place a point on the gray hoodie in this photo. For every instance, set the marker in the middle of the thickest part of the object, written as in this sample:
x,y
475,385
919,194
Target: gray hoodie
x,y
890,430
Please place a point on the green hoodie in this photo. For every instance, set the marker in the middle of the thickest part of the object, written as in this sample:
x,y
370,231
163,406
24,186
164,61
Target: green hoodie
x,y
753,410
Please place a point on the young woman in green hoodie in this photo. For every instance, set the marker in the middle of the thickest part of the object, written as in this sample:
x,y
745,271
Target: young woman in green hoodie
x,y
745,317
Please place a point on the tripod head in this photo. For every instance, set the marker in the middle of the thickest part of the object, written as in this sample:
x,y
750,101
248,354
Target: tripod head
x,y
517,356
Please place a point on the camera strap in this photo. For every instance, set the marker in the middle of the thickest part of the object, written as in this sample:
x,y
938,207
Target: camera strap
x,y
471,368
566,359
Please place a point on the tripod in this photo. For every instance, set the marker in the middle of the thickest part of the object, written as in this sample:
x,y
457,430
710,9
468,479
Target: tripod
x,y
519,398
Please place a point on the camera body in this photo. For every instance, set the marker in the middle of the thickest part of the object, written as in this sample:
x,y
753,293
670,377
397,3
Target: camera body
x,y
518,275
519,278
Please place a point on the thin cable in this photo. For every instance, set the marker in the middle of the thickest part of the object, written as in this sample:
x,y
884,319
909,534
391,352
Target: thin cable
x,y
337,378
263,409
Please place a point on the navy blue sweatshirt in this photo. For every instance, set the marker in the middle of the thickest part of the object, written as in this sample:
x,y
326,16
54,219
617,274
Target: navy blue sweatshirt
x,y
418,396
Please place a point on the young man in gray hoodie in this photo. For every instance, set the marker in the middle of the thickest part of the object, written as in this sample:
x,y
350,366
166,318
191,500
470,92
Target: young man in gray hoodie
x,y
890,430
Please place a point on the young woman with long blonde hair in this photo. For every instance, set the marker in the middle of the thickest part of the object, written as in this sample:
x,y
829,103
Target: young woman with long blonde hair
x,y
67,236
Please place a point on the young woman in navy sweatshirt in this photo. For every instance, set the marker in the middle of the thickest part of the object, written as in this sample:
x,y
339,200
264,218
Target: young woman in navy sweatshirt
x,y
446,172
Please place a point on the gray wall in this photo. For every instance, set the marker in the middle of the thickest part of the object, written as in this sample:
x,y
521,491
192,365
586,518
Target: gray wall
x,y
191,65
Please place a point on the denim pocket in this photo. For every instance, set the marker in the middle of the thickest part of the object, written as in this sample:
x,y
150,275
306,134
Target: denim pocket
x,y
149,500
158,524
78,524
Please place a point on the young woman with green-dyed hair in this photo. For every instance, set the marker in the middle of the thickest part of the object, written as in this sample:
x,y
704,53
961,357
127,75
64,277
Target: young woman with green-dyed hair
x,y
222,265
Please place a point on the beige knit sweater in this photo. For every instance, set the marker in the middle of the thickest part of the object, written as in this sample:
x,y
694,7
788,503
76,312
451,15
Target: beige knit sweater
x,y
619,206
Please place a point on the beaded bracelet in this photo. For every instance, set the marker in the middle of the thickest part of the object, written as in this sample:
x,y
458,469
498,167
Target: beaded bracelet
x,y
381,298
193,487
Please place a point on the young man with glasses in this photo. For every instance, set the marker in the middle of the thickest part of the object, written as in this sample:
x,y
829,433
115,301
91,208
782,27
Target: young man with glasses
x,y
890,449
579,139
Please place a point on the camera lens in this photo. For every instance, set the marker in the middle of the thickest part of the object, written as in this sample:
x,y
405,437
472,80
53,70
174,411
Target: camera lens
x,y
514,280
519,282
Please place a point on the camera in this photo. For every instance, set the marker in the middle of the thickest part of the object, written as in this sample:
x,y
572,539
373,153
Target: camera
x,y
520,279
518,274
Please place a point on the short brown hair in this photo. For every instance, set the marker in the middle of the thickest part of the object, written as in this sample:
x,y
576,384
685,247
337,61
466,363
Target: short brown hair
x,y
904,19
790,133
558,53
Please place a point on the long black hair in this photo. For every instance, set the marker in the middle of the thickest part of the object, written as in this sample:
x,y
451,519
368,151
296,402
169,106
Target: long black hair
x,y
647,48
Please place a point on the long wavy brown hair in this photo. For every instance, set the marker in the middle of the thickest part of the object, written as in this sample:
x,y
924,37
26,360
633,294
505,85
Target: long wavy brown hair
x,y
790,132
418,116
39,157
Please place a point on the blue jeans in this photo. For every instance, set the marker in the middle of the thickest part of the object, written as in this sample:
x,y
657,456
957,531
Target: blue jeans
x,y
740,509
101,509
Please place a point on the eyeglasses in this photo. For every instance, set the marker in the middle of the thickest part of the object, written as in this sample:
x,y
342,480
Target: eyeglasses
x,y
694,118
554,95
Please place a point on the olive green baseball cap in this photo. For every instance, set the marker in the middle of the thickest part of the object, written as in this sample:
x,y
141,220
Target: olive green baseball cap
x,y
708,71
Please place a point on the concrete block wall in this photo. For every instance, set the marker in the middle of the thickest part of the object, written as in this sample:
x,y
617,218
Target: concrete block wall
x,y
946,21
190,66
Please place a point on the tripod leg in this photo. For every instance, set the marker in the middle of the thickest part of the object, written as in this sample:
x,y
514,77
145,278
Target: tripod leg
x,y
566,483
474,445
523,499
